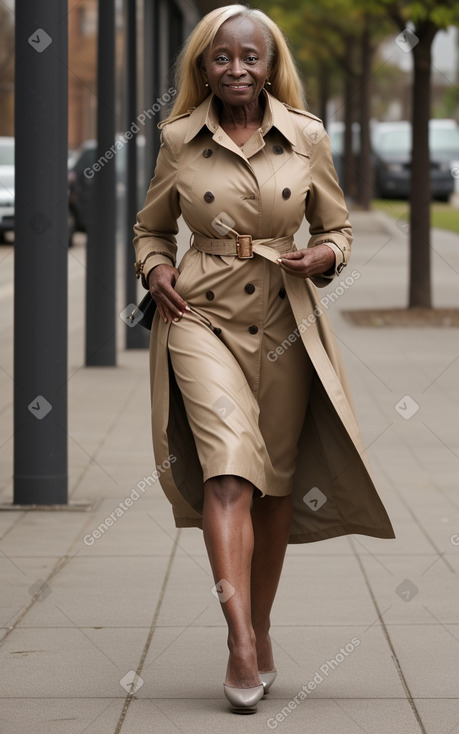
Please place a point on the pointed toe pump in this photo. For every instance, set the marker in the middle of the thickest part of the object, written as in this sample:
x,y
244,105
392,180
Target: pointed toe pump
x,y
268,679
244,700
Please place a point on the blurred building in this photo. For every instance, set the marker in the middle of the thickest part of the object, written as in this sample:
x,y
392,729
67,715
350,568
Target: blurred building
x,y
7,68
82,20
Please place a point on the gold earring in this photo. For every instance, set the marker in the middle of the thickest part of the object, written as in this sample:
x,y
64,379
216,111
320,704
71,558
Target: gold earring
x,y
206,84
268,83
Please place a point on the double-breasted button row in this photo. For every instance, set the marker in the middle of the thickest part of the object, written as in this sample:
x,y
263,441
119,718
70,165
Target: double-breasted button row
x,y
207,152
253,329
209,197
249,288
210,295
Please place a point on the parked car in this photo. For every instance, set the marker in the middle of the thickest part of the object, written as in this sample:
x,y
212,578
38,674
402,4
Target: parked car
x,y
335,131
6,186
392,158
83,172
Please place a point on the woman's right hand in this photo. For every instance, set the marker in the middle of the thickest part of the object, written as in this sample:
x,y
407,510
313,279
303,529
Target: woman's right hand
x,y
161,282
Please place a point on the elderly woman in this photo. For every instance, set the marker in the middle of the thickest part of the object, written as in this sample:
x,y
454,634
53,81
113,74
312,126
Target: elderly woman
x,y
250,408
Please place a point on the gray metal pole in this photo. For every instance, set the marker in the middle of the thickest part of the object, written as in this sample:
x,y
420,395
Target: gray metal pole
x,y
136,336
41,242
101,317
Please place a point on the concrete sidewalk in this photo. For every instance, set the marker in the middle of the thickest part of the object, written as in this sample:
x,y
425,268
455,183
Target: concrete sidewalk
x,y
366,629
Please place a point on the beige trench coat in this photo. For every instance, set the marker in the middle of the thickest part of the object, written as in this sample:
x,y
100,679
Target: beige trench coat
x,y
265,188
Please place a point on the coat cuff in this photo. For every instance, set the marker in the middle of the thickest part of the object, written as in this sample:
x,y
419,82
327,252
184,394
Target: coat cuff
x,y
150,261
340,246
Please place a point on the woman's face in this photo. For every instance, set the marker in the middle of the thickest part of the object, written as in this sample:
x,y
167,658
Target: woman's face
x,y
236,65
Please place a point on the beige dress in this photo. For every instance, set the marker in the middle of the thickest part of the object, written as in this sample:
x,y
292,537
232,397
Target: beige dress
x,y
250,383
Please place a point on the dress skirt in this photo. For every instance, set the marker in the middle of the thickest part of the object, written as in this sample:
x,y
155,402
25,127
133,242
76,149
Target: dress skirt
x,y
245,402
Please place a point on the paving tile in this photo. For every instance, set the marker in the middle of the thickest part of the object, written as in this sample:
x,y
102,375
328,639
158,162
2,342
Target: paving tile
x,y
59,663
55,715
439,715
429,658
101,591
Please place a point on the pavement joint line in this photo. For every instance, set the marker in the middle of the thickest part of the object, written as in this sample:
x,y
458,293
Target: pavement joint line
x,y
373,555
206,571
13,525
183,630
397,664
102,442
153,625
80,629
62,562
433,563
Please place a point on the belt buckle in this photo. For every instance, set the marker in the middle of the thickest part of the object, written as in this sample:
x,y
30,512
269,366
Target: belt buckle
x,y
244,246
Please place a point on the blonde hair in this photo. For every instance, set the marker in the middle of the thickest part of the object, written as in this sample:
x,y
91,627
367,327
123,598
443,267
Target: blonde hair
x,y
285,81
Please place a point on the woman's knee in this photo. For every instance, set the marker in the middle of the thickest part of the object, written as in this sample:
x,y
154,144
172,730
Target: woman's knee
x,y
228,490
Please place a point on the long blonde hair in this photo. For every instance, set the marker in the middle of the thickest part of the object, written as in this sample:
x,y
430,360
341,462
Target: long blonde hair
x,y
284,78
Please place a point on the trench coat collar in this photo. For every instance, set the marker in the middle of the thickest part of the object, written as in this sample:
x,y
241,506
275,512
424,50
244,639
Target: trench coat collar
x,y
276,115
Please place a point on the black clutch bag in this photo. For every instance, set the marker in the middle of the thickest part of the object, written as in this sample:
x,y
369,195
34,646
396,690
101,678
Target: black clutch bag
x,y
144,312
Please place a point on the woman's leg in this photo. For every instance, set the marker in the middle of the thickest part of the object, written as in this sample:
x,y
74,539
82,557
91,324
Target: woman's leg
x,y
228,534
271,519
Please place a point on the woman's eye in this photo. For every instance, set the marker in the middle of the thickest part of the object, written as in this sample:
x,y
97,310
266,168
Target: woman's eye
x,y
252,59
222,59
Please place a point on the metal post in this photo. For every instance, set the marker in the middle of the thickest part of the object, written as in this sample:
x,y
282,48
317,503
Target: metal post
x,y
41,242
136,336
101,318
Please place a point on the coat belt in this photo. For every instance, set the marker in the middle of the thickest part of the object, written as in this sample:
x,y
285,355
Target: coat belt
x,y
243,246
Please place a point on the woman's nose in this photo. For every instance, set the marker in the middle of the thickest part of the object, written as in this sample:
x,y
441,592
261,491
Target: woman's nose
x,y
237,68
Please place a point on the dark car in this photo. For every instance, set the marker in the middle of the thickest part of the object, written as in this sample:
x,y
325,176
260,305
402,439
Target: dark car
x,y
83,171
6,186
392,158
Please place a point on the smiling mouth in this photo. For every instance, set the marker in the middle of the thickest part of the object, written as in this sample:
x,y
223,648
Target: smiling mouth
x,y
239,86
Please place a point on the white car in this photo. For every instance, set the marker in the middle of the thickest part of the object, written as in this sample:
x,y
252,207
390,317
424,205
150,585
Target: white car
x,y
6,186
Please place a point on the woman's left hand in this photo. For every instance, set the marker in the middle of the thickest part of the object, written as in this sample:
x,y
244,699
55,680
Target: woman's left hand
x,y
308,262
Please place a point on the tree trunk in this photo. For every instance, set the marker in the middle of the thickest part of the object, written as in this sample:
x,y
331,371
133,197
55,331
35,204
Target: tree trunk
x,y
365,173
349,93
324,77
420,279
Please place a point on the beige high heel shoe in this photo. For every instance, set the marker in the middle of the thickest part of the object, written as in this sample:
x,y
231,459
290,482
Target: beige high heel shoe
x,y
244,700
268,679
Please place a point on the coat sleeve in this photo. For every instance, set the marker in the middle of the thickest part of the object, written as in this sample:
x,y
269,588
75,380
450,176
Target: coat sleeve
x,y
156,226
326,211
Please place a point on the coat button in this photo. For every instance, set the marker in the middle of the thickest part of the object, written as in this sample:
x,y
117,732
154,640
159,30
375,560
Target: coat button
x,y
217,330
207,152
286,193
249,288
253,329
209,197
282,293
278,149
210,295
